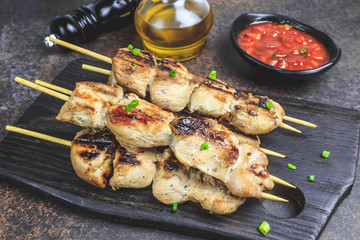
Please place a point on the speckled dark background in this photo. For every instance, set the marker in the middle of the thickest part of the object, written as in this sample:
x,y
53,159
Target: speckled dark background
x,y
25,214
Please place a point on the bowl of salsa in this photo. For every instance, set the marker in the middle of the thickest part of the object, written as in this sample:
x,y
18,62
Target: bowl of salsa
x,y
282,46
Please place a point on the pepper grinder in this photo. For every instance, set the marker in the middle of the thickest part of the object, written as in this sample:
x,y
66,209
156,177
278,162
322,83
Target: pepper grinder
x,y
84,24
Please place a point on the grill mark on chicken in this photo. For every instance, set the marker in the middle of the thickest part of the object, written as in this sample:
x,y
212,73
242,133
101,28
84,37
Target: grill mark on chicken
x,y
95,143
241,95
261,102
144,57
127,158
172,164
119,115
209,83
187,126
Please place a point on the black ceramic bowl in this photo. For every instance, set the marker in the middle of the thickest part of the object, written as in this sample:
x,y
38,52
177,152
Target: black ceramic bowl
x,y
247,19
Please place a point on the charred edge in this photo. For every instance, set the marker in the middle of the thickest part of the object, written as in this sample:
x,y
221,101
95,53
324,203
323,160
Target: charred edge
x,y
120,115
241,95
144,57
209,84
171,164
95,143
166,64
258,170
126,157
261,103
190,126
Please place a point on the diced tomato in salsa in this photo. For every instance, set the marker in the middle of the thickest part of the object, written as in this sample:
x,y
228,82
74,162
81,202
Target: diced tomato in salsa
x,y
282,46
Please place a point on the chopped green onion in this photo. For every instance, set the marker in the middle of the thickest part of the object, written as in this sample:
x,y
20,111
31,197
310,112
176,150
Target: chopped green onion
x,y
303,50
269,105
212,75
175,206
136,51
173,73
325,154
311,178
132,105
282,38
204,146
291,166
130,47
133,63
264,228
128,108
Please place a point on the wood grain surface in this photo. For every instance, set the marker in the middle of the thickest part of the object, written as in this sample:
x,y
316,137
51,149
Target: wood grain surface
x,y
46,167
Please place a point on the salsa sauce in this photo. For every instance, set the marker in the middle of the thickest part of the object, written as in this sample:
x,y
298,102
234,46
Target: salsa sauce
x,y
282,46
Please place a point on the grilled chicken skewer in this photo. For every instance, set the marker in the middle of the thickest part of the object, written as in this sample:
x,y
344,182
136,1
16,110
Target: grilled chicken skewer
x,y
272,117
207,97
173,182
149,117
83,113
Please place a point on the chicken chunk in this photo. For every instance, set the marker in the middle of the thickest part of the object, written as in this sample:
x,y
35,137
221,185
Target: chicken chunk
x,y
134,72
145,126
251,115
92,154
240,166
133,170
212,98
88,104
172,93
175,182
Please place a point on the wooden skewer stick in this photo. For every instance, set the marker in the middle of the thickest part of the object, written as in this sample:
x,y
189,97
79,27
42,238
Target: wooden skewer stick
x,y
81,50
273,197
53,87
38,135
299,121
41,88
272,153
68,143
281,182
288,127
96,69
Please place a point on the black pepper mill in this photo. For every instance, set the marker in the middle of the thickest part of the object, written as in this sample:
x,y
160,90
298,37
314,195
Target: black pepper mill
x,y
87,22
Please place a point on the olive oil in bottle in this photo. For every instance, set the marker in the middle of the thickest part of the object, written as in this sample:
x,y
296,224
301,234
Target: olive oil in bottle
x,y
174,29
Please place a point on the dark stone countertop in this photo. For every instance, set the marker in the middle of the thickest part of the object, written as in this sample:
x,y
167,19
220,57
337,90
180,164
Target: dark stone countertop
x,y
27,214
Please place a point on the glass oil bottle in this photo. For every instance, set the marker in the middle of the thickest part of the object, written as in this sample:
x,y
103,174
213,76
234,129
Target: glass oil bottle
x,y
174,29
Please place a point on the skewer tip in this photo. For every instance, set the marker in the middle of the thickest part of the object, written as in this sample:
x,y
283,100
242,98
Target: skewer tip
x,y
281,182
273,197
288,127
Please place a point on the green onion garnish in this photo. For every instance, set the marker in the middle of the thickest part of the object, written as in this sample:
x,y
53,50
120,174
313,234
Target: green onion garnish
x,y
291,166
173,73
303,50
311,178
212,75
133,63
264,228
204,146
136,51
269,105
130,47
132,105
175,206
325,154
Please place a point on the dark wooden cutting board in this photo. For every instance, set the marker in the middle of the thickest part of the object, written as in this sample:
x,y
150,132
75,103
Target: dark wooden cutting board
x,y
46,167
